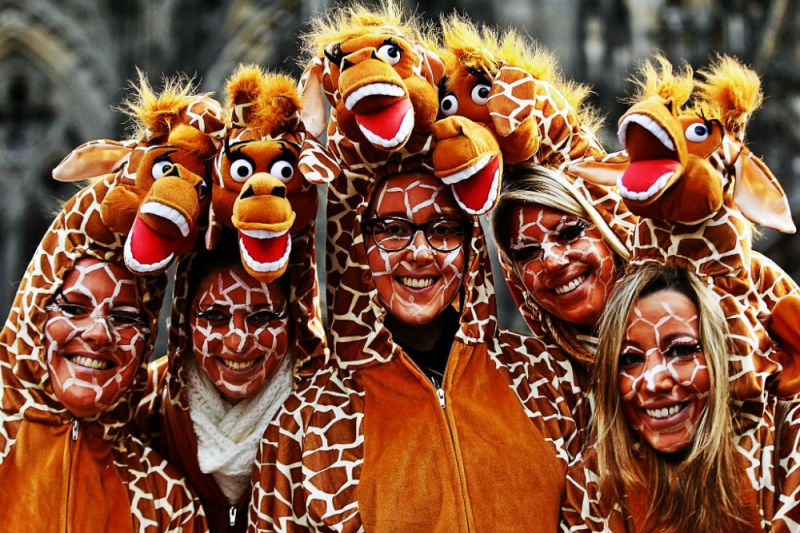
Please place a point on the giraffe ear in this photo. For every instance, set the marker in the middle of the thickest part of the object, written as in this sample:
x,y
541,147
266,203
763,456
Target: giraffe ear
x,y
603,172
313,112
93,159
316,164
759,195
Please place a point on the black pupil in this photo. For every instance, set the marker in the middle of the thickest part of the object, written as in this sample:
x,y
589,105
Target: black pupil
x,y
447,104
242,171
483,92
700,130
286,172
393,52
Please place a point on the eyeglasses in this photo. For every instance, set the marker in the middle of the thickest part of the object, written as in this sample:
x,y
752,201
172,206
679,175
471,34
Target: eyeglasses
x,y
81,316
395,234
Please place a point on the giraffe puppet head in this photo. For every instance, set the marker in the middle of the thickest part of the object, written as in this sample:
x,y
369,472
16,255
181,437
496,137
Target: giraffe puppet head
x,y
264,180
161,175
513,87
380,79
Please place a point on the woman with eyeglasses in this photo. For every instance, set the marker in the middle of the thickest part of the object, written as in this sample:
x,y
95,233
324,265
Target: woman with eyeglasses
x,y
231,364
429,418
73,364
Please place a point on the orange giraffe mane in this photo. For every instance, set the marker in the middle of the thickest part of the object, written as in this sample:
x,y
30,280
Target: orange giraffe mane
x,y
273,99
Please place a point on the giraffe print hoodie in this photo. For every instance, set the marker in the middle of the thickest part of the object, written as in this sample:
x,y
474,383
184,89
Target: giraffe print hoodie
x,y
60,473
368,443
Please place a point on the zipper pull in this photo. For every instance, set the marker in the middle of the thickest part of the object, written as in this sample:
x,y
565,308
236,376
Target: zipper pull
x,y
232,515
75,425
440,395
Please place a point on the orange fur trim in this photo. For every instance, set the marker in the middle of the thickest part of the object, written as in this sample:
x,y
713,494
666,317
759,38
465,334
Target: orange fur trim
x,y
732,91
275,98
658,78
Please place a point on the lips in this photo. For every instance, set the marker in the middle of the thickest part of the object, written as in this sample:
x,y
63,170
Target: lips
x,y
653,158
146,250
476,187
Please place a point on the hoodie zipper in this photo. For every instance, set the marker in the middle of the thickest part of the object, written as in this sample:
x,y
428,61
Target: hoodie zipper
x,y
232,515
73,439
439,392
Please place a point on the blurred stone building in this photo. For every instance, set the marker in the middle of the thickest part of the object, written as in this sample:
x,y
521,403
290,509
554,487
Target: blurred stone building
x,y
64,65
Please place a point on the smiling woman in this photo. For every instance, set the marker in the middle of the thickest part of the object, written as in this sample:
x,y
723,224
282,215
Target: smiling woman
x,y
668,456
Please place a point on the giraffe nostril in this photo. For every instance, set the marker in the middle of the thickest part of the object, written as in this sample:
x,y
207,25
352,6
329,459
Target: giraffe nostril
x,y
247,192
279,191
346,64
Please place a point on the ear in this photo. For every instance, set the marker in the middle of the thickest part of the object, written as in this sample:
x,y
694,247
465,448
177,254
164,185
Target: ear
x,y
313,112
604,172
433,66
93,159
759,195
316,164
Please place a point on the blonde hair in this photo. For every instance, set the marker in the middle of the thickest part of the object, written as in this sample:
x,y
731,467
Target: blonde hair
x,y
698,490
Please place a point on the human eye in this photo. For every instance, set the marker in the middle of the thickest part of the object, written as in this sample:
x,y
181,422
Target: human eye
x,y
572,231
683,349
628,359
389,228
447,228
265,316
126,319
525,253
69,309
213,316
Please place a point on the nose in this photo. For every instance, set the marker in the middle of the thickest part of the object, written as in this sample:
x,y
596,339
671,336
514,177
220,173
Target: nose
x,y
238,340
657,376
553,257
98,333
420,249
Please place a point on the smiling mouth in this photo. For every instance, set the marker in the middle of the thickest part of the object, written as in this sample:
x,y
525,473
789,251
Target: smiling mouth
x,y
239,366
417,283
571,286
88,362
666,412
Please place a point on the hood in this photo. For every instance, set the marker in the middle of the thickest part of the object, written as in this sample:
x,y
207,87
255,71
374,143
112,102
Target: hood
x,y
27,390
309,346
355,314
607,211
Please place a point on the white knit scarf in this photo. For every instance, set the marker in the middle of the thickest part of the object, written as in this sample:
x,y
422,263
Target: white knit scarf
x,y
228,435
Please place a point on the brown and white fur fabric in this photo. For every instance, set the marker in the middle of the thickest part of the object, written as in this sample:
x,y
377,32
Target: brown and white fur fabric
x,y
95,475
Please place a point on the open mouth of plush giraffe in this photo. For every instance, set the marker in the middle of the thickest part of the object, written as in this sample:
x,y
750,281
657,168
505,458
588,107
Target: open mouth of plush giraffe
x,y
155,236
265,251
476,187
654,163
383,113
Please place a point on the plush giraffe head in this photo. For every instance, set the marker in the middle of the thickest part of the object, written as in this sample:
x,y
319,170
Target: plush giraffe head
x,y
264,185
380,79
679,151
513,87
162,174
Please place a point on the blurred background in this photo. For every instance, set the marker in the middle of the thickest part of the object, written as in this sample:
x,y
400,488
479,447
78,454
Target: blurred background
x,y
65,64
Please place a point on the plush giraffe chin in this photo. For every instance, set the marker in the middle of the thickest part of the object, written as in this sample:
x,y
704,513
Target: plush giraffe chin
x,y
160,177
696,188
259,187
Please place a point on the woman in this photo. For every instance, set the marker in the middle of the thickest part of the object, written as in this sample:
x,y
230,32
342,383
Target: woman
x,y
428,418
669,456
563,244
231,364
73,357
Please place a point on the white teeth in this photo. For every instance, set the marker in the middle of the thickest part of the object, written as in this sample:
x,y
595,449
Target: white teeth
x,y
417,283
372,89
467,172
273,266
405,130
164,211
489,199
262,233
94,364
571,286
141,268
664,412
238,365
650,125
640,196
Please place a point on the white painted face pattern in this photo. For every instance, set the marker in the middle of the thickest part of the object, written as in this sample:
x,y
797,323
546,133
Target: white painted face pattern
x,y
415,284
563,263
95,336
663,376
239,331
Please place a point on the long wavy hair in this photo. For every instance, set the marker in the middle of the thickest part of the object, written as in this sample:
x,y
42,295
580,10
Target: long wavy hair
x,y
699,488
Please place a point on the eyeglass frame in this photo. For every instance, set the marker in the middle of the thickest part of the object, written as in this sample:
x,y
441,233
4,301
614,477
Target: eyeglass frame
x,y
369,226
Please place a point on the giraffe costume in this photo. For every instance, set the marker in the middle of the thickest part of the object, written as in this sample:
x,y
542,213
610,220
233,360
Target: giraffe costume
x,y
368,443
267,145
94,474
162,174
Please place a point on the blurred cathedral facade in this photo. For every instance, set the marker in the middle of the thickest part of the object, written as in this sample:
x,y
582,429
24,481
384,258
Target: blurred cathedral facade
x,y
65,65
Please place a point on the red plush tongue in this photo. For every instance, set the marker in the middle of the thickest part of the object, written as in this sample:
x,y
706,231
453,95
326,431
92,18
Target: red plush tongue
x,y
385,123
147,246
640,175
265,250
474,192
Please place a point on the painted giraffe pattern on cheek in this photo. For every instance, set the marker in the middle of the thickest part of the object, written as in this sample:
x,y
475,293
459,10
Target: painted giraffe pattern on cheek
x,y
664,378
238,356
571,253
116,348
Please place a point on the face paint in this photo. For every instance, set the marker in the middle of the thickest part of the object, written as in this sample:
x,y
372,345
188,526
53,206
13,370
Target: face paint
x,y
94,336
417,282
563,262
664,379
239,331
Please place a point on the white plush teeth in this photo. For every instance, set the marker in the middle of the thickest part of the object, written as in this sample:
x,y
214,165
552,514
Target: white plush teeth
x,y
571,286
405,130
416,283
650,125
141,268
372,89
467,172
660,183
664,412
262,233
88,362
273,266
164,211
